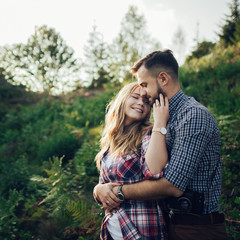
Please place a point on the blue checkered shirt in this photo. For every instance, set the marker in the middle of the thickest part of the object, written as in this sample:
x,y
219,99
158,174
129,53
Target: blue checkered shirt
x,y
194,146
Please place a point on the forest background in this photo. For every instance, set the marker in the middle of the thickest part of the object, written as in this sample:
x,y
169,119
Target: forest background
x,y
51,120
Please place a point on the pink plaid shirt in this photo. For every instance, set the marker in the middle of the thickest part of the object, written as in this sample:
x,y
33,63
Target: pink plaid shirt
x,y
138,219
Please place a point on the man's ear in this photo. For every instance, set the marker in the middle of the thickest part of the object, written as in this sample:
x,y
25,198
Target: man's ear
x,y
163,78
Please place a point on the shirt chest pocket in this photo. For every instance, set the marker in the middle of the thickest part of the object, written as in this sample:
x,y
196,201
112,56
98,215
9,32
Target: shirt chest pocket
x,y
129,166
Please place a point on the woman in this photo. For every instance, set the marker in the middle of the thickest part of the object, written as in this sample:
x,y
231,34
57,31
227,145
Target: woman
x,y
124,159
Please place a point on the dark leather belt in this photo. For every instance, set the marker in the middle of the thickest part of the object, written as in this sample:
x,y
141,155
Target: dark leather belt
x,y
205,219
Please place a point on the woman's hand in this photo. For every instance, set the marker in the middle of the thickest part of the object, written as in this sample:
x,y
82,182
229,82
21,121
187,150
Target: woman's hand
x,y
160,112
104,193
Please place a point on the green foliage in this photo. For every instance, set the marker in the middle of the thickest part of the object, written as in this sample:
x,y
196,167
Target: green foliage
x,y
237,32
85,165
59,189
14,175
33,138
230,30
73,216
89,112
214,80
87,218
58,186
59,144
203,49
229,126
39,132
8,218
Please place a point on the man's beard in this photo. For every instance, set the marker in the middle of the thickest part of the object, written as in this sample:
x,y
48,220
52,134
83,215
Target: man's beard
x,y
159,90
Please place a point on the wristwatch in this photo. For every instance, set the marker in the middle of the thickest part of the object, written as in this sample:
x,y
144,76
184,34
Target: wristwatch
x,y
162,130
120,194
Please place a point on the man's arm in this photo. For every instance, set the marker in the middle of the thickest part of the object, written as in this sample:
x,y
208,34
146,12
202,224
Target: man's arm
x,y
150,190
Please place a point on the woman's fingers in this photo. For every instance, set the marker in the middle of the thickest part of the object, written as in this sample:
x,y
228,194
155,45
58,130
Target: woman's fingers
x,y
157,103
160,111
111,204
112,200
161,99
166,102
107,196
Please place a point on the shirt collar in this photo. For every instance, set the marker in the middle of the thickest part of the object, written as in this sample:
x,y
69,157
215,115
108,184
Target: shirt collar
x,y
176,101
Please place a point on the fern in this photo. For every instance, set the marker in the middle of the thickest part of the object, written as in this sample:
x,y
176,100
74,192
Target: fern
x,y
63,200
8,219
88,219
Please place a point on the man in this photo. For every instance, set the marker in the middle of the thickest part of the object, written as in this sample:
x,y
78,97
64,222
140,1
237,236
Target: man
x,y
193,142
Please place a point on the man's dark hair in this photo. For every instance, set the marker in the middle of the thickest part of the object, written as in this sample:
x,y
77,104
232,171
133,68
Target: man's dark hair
x,y
158,61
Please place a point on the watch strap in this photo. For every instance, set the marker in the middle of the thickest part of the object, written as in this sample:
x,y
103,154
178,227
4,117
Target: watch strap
x,y
120,194
161,130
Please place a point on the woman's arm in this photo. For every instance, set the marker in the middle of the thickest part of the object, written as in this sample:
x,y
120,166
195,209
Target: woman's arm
x,y
156,155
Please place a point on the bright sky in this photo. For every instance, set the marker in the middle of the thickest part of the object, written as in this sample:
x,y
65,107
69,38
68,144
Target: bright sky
x,y
74,19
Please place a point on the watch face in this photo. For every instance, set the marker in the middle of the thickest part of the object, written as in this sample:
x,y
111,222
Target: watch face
x,y
163,131
120,197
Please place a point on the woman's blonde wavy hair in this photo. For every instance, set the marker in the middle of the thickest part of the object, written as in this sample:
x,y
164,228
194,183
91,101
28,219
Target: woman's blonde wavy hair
x,y
116,138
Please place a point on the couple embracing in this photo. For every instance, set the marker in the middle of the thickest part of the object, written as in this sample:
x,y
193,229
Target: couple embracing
x,y
159,180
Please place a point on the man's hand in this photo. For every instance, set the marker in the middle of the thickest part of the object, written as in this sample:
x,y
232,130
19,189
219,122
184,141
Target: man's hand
x,y
104,193
115,190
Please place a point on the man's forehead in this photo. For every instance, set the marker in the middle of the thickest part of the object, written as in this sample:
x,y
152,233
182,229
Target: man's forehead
x,y
137,76
141,80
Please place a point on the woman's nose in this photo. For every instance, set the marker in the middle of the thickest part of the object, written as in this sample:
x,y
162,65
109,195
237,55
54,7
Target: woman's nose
x,y
140,101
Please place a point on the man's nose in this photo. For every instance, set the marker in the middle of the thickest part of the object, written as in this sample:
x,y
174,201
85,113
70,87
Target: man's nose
x,y
143,92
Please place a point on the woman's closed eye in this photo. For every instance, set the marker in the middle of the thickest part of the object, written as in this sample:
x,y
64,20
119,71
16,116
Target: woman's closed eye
x,y
136,97
145,100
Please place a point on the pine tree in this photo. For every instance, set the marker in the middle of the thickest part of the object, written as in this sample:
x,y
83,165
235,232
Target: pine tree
x,y
132,42
95,64
230,30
